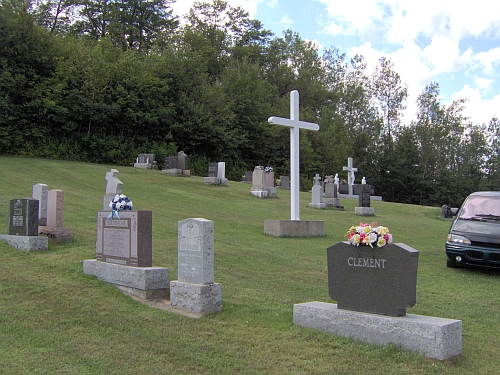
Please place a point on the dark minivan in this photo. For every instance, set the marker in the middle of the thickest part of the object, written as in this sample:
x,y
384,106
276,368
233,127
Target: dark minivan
x,y
474,238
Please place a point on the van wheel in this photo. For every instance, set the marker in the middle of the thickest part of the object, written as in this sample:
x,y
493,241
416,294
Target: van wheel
x,y
451,264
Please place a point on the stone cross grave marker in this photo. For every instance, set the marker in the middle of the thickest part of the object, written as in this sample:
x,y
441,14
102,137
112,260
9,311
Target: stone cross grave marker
x,y
295,125
113,187
40,192
351,174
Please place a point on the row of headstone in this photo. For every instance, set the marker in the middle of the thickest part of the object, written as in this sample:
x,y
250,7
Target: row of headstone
x,y
177,165
124,258
263,183
145,161
216,174
33,222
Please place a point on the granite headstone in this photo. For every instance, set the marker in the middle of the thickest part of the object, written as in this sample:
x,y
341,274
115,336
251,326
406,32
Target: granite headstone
x,y
373,280
23,217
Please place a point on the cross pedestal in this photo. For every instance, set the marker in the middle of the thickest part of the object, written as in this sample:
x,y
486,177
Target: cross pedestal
x,y
294,228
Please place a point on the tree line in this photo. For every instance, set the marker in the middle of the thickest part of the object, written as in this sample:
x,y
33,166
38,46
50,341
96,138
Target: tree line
x,y
103,80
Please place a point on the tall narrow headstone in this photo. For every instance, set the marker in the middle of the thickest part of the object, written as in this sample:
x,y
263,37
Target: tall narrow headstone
x,y
40,192
195,290
55,207
54,229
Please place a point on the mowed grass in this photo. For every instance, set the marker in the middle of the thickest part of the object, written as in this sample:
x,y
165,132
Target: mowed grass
x,y
56,320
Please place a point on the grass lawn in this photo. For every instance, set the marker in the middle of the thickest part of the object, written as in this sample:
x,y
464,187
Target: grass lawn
x,y
56,320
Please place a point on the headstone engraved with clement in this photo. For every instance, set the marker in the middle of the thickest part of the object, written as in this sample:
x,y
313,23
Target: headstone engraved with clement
x,y
373,280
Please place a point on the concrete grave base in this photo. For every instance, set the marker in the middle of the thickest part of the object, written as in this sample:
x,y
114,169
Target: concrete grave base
x,y
26,243
364,211
332,202
172,172
259,193
196,298
435,338
56,234
294,228
143,282
214,181
318,205
143,165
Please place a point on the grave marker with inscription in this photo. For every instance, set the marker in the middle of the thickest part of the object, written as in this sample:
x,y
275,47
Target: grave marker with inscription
x,y
23,217
364,201
23,226
373,280
127,240
195,290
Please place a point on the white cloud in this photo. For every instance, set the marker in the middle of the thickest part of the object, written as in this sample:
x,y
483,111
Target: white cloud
x,y
488,61
272,3
182,7
286,21
478,109
443,55
409,18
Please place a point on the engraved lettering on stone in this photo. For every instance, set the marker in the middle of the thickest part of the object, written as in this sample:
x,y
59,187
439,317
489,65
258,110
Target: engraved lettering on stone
x,y
366,262
116,242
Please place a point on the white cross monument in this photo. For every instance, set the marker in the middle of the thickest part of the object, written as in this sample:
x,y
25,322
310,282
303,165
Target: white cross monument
x,y
295,125
351,176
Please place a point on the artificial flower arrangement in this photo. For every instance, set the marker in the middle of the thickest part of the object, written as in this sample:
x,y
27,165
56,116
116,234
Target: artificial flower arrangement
x,y
369,235
268,169
119,202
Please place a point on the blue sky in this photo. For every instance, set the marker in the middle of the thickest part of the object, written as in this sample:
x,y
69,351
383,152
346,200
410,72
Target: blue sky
x,y
455,43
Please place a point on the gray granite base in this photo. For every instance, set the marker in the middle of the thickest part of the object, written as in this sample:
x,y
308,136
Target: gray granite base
x,y
172,172
214,181
196,298
364,211
143,165
56,234
320,206
26,243
294,228
435,338
143,282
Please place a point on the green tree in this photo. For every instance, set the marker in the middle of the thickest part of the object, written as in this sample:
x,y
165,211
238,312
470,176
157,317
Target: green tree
x,y
27,61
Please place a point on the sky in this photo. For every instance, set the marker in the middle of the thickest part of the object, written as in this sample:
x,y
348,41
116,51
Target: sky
x,y
455,43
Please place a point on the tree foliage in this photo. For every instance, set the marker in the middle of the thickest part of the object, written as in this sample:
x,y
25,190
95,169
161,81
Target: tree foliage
x,y
102,80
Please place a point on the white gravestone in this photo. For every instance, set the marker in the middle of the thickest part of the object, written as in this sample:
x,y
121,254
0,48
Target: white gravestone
x,y
113,187
295,125
351,176
40,193
195,290
317,194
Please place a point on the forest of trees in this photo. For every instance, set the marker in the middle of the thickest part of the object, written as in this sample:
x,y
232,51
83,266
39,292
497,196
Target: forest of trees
x,y
103,80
